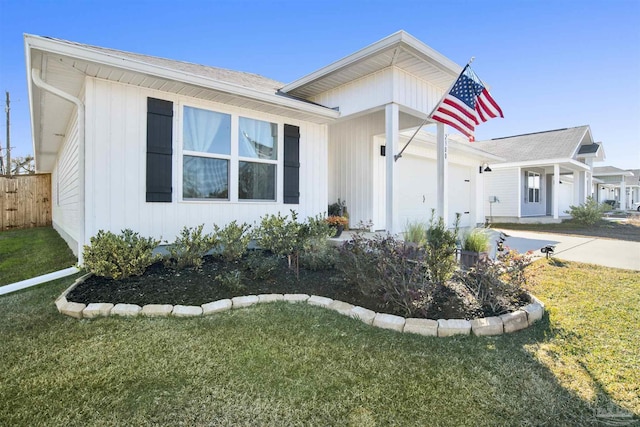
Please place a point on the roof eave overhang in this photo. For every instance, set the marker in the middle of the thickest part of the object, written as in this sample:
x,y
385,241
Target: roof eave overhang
x,y
398,39
87,54
543,163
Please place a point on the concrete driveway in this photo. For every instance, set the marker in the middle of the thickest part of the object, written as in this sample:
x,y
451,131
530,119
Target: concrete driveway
x,y
591,250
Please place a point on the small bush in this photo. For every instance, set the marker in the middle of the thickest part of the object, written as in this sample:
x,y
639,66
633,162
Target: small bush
x,y
279,234
119,256
496,285
383,267
589,213
233,240
261,265
232,280
477,240
318,254
416,232
441,248
188,248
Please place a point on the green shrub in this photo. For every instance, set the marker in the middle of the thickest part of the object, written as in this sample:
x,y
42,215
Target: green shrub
x,y
279,234
415,232
188,248
477,240
232,280
589,213
119,256
233,240
316,228
441,248
385,267
318,254
262,265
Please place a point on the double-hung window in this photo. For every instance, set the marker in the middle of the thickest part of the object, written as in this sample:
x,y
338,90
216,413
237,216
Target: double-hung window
x,y
206,154
258,159
533,187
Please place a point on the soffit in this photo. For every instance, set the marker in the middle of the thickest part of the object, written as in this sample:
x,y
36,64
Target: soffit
x,y
399,50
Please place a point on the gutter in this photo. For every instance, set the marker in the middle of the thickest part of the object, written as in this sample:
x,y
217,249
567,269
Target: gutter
x,y
35,77
38,280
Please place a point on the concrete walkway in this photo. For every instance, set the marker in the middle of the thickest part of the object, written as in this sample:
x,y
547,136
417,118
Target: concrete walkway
x,y
591,250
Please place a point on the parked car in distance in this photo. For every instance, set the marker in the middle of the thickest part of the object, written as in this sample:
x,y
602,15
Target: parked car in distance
x,y
612,203
636,206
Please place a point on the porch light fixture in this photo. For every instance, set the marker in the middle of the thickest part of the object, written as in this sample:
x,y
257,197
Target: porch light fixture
x,y
486,168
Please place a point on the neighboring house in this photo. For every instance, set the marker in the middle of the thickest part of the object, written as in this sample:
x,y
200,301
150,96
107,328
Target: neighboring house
x,y
151,144
620,185
523,187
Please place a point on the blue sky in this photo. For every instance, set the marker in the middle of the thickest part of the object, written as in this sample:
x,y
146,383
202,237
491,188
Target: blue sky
x,y
550,64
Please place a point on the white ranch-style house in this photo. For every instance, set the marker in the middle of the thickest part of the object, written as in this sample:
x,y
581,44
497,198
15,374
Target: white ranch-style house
x,y
152,144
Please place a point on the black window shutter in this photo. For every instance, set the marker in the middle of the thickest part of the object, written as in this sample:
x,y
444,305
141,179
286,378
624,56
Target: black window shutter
x,y
159,149
291,164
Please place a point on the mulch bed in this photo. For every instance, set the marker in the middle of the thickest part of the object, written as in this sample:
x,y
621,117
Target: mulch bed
x,y
161,285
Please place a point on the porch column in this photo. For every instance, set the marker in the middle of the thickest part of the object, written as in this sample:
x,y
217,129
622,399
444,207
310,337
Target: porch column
x,y
556,190
623,195
392,130
442,179
589,174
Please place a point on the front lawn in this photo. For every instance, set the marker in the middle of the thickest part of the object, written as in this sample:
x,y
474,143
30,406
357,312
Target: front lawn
x,y
629,229
286,364
32,252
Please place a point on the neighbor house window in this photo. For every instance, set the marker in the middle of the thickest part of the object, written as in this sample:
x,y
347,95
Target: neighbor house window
x,y
206,154
533,187
258,159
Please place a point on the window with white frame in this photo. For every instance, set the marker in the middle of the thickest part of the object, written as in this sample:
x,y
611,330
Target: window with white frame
x,y
258,159
206,154
533,187
208,157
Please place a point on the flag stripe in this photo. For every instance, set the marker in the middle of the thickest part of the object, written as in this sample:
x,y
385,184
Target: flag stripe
x,y
452,115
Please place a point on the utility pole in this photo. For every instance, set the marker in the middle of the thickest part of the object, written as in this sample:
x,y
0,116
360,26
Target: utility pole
x,y
7,110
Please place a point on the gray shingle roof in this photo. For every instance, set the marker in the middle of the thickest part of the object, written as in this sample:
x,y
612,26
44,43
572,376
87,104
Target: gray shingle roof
x,y
240,78
607,170
553,144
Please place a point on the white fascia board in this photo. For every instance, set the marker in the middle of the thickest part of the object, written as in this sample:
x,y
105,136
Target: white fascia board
x,y
396,38
621,173
27,53
87,54
542,163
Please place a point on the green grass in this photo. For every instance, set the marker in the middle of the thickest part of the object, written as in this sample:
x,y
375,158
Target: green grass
x,y
32,252
285,364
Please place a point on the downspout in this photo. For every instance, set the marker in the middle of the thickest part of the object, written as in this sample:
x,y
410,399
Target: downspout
x,y
35,77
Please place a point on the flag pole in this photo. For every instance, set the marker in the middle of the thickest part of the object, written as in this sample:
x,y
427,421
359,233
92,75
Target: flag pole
x,y
397,156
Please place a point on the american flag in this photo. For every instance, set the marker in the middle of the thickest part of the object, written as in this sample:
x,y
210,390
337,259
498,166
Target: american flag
x,y
467,104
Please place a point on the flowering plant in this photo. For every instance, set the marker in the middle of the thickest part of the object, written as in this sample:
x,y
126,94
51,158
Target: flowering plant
x,y
335,220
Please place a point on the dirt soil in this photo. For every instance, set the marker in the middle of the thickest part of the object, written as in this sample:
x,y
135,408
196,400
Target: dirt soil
x,y
160,285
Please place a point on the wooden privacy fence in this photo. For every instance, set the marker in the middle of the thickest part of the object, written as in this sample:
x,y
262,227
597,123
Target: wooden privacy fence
x,y
25,201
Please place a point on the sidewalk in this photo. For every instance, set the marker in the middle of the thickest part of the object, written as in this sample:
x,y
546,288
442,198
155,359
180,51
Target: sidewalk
x,y
591,250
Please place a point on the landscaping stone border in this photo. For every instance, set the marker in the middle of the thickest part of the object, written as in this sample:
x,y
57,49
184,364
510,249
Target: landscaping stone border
x,y
484,326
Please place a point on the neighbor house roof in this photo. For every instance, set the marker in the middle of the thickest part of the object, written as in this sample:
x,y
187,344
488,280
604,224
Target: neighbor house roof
x,y
541,146
610,171
633,180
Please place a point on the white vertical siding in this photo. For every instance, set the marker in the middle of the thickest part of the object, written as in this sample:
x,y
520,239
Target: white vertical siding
x,y
362,94
391,84
351,164
502,184
66,211
116,167
414,92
